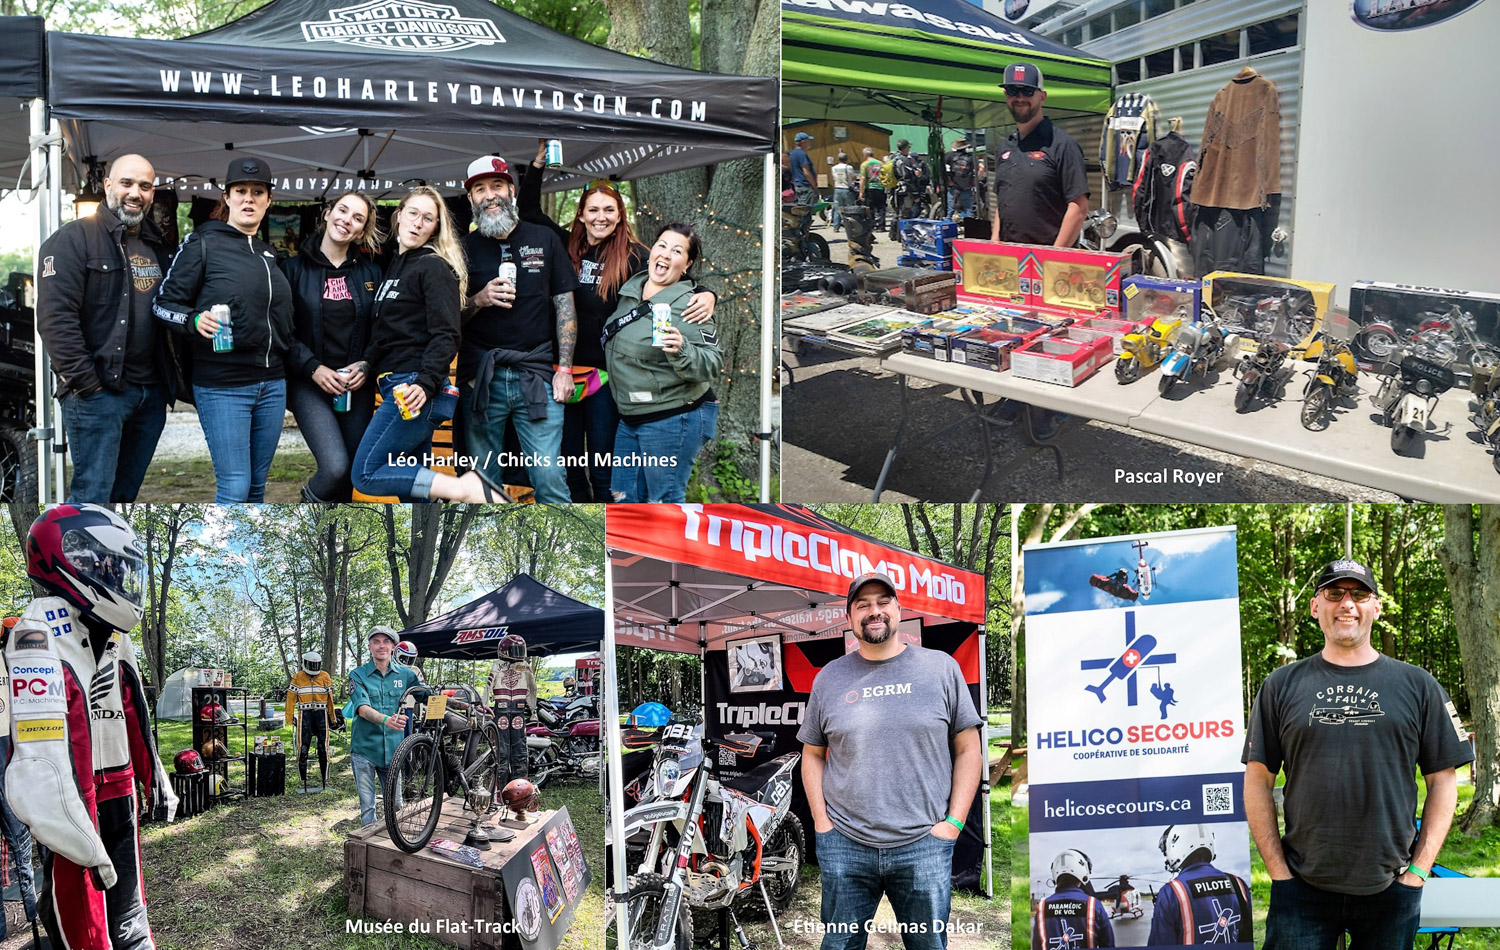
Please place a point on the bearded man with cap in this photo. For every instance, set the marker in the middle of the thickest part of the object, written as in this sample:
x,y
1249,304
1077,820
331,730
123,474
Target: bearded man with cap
x,y
519,335
891,762
1349,726
1041,190
379,725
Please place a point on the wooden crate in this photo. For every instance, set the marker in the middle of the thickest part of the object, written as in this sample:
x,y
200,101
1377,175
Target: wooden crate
x,y
385,883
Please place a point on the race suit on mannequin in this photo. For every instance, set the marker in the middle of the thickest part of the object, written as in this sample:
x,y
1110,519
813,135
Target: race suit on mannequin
x,y
512,692
311,695
82,740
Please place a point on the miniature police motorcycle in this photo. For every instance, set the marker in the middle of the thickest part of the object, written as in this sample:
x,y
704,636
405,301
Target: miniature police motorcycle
x,y
1408,397
709,839
1141,351
1335,376
1260,374
1199,348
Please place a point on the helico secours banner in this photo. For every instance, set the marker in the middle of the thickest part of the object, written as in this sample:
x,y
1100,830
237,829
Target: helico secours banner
x,y
1135,728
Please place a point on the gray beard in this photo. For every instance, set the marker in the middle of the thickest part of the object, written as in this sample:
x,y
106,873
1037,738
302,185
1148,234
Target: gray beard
x,y
497,225
131,219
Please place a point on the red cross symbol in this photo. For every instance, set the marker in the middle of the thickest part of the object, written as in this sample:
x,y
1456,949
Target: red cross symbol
x,y
1132,658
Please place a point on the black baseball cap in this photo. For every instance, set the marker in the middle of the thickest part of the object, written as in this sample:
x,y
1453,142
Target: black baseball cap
x,y
874,577
902,144
1347,570
1022,74
247,169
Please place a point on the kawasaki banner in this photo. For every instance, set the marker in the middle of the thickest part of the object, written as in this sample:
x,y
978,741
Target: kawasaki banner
x,y
1135,729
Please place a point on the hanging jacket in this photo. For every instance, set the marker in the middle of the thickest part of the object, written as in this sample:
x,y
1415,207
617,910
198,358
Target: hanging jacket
x,y
1163,187
218,264
1129,127
1239,157
308,273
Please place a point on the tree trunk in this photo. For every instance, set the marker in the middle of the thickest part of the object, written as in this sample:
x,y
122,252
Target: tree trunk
x,y
1471,564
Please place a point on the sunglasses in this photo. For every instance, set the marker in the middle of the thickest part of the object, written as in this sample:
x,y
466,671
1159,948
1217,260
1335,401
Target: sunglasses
x,y
1335,595
1021,92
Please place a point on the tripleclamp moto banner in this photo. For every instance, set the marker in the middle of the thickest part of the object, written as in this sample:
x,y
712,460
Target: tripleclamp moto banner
x,y
1135,728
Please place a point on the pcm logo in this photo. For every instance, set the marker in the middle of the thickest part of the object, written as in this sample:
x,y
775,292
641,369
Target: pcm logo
x,y
787,714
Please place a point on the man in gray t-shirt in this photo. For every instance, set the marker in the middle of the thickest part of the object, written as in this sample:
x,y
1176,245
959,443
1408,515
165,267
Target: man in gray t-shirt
x,y
891,762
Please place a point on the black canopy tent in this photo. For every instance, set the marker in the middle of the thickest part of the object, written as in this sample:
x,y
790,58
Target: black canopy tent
x,y
549,622
373,97
22,79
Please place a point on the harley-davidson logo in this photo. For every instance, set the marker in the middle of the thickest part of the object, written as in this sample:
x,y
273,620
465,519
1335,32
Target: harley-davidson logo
x,y
410,27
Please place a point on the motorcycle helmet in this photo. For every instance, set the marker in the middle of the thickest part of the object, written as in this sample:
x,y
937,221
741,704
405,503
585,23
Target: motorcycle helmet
x,y
211,711
521,796
406,653
215,749
512,647
1179,842
188,762
649,715
1072,863
89,556
569,684
312,662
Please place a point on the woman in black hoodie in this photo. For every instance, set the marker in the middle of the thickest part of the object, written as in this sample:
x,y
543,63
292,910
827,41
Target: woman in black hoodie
x,y
333,303
413,343
239,389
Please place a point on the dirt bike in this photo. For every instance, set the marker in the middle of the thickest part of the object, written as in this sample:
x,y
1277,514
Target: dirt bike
x,y
1336,376
701,840
454,750
559,749
1408,396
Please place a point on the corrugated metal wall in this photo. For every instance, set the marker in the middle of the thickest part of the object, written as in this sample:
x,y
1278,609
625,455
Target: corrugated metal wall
x,y
1187,94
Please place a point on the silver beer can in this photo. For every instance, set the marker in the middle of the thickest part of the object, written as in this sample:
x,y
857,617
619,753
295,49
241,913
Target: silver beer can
x,y
554,153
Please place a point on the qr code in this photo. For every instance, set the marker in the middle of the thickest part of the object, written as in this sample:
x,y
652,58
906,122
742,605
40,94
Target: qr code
x,y
1218,799
726,757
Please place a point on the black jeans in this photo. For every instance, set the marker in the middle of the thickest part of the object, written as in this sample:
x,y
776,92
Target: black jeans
x,y
1303,917
332,436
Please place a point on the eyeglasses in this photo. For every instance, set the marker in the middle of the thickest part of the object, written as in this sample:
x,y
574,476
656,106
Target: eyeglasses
x,y
1020,92
1335,595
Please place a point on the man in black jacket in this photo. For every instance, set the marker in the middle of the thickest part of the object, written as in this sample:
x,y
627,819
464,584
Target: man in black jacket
x,y
93,312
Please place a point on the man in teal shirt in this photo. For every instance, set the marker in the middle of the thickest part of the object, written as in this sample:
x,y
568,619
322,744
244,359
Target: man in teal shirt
x,y
379,725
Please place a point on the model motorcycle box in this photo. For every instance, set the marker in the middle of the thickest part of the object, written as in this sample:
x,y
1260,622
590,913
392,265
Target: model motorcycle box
x,y
992,273
1470,318
990,347
1088,281
918,289
1147,298
1259,307
1065,358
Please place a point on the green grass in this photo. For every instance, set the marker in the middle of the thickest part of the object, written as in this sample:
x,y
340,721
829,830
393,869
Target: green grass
x,y
269,872
1476,856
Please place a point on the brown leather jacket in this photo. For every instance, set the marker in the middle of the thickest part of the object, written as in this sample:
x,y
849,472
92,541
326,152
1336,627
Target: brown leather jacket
x,y
1239,159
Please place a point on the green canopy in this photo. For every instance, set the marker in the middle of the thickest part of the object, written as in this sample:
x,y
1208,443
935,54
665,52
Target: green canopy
x,y
932,61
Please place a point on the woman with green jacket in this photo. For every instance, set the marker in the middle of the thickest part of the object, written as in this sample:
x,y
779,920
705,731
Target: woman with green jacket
x,y
663,387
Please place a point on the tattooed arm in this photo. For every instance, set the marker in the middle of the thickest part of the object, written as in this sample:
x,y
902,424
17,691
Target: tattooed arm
x,y
567,341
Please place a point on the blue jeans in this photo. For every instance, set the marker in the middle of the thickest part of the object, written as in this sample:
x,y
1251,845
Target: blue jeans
x,y
242,425
541,440
677,439
917,878
389,458
1303,917
842,197
589,431
112,436
961,199
18,836
365,774
332,436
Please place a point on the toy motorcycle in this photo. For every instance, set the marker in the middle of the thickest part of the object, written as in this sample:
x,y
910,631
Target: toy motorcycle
x,y
1260,374
1199,348
1335,375
1408,396
1078,285
1487,417
1443,338
1141,351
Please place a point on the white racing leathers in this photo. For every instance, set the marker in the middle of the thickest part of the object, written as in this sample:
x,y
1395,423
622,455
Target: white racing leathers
x,y
82,740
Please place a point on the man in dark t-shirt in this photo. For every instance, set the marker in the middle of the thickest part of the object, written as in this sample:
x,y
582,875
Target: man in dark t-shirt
x,y
516,354
1041,191
1350,726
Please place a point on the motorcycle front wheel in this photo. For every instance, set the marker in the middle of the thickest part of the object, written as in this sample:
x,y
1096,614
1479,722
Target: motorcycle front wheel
x,y
787,849
1127,371
1165,384
414,796
1243,394
1481,359
815,246
1314,405
645,894
1378,342
1401,439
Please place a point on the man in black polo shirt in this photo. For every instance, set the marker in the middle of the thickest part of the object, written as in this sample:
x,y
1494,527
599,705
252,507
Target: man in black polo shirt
x,y
518,337
1041,193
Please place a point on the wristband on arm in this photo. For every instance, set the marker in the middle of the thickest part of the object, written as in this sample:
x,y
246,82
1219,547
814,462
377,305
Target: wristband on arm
x,y
1418,871
954,822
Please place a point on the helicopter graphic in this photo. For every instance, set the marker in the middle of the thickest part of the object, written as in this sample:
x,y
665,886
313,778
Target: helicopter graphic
x,y
1138,652
1119,584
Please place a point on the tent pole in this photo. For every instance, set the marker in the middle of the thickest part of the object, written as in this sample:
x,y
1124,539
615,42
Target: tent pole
x,y
984,776
46,184
612,740
768,282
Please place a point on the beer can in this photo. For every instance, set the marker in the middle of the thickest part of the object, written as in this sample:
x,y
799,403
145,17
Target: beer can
x,y
508,272
224,336
661,322
406,413
260,745
341,401
554,153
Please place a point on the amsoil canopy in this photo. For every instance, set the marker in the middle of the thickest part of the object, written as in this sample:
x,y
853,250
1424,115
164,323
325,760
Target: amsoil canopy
x,y
873,61
384,93
549,622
